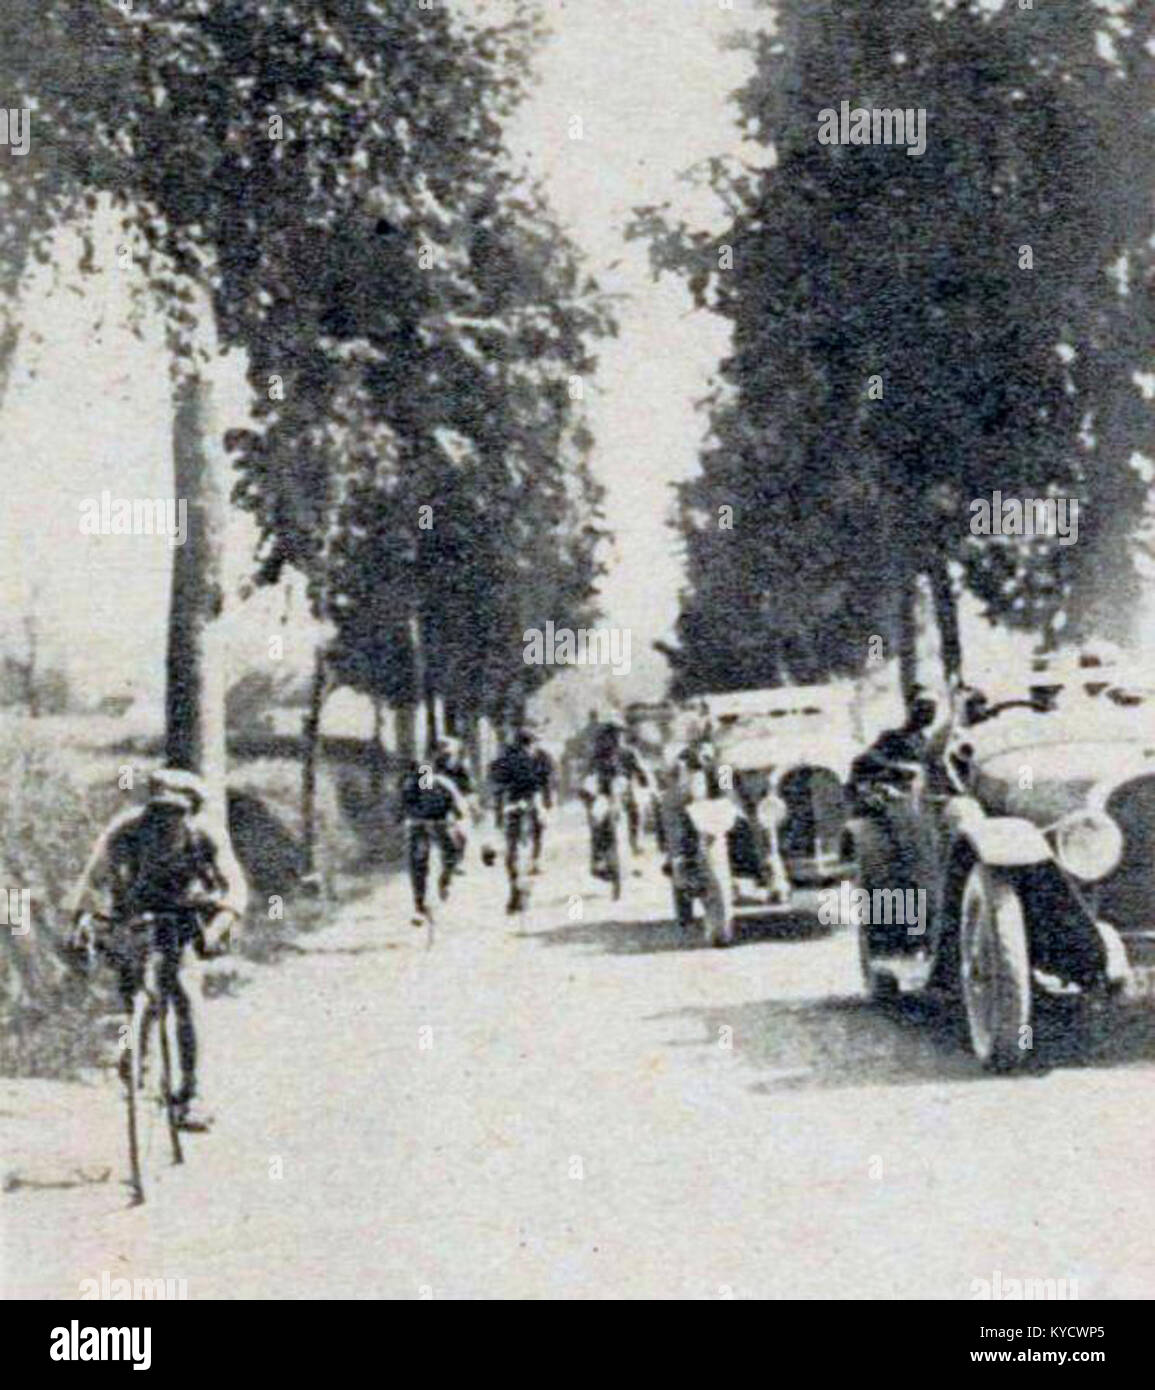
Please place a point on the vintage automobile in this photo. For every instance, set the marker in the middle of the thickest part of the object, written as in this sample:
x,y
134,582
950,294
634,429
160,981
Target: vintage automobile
x,y
1023,848
765,811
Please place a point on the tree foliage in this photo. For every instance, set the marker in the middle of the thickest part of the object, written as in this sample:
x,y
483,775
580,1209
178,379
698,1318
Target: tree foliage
x,y
851,262
333,173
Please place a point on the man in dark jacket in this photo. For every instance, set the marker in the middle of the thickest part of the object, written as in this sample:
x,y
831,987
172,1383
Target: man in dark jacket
x,y
521,786
432,806
164,858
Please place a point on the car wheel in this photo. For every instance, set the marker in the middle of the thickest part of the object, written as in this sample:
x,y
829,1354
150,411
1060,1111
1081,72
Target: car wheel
x,y
994,969
719,896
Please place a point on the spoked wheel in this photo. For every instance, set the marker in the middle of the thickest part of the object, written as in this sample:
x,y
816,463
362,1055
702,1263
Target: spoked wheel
x,y
130,1075
995,969
719,896
167,1099
147,1090
146,1070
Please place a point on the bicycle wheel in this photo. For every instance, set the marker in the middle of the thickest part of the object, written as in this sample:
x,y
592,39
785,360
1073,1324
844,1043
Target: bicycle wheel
x,y
143,1098
130,1074
515,838
166,1012
613,862
149,1083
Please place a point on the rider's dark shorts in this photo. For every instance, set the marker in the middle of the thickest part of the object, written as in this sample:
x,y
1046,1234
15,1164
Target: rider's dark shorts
x,y
128,947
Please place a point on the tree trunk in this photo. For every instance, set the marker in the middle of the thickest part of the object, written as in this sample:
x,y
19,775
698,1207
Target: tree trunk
x,y
9,341
945,586
377,755
405,725
920,649
195,675
1049,638
434,718
514,710
426,701
29,667
486,752
311,734
467,727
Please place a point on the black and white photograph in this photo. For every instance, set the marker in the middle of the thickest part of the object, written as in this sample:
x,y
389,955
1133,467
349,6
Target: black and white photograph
x,y
577,662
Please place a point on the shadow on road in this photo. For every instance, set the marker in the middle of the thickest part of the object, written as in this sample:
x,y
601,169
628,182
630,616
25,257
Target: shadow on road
x,y
813,1044
846,1041
654,936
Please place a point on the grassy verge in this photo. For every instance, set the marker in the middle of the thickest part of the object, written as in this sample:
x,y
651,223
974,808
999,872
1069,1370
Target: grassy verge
x,y
55,796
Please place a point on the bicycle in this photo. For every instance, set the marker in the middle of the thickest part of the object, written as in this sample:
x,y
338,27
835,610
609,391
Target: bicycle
x,y
422,834
145,952
519,817
154,944
604,810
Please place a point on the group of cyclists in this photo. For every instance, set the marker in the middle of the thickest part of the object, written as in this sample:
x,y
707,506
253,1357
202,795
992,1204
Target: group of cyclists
x,y
440,805
163,877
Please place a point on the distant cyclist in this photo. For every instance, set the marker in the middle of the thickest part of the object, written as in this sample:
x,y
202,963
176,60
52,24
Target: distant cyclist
x,y
433,810
163,857
520,792
546,787
641,788
449,761
616,769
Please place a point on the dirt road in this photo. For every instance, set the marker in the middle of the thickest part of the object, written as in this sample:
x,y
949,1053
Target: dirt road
x,y
578,1103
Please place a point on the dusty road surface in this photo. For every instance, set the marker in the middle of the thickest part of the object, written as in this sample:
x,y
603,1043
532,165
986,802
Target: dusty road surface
x,y
590,1106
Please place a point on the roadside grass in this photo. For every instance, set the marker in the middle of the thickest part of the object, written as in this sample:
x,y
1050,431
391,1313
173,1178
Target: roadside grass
x,y
58,788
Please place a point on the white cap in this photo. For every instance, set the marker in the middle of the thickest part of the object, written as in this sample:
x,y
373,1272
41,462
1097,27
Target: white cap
x,y
173,786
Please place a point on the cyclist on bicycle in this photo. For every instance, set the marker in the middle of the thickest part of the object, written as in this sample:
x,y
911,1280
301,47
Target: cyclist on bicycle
x,y
520,789
615,770
449,761
432,807
166,858
640,787
546,784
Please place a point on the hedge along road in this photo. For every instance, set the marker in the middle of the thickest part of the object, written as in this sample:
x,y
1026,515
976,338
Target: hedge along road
x,y
579,1103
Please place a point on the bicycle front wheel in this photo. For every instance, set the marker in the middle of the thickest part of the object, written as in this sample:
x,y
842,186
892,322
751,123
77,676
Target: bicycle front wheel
x,y
148,1075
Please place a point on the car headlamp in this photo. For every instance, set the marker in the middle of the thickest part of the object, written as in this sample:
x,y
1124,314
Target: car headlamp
x,y
1089,845
772,810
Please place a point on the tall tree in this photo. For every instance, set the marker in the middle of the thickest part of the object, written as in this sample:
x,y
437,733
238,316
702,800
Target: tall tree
x,y
911,333
195,657
334,175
